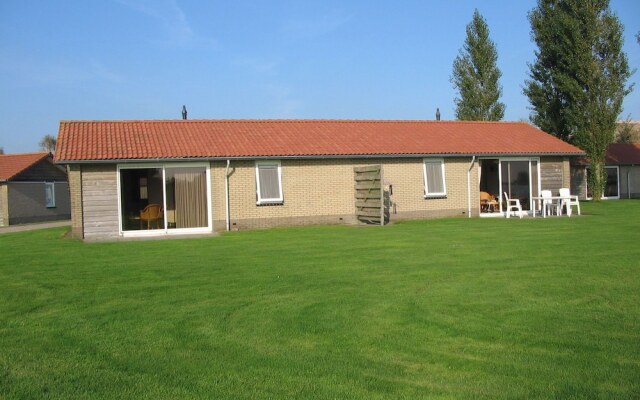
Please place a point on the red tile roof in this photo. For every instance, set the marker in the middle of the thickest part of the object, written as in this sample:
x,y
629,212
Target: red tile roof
x,y
13,164
623,154
167,139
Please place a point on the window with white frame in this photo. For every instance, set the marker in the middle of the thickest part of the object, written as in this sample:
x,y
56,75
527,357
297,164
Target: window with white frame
x,y
49,194
269,182
611,188
164,198
434,183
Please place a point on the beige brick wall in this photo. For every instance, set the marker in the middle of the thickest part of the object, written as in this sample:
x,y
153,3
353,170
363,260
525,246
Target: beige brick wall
x,y
322,191
4,205
74,175
314,191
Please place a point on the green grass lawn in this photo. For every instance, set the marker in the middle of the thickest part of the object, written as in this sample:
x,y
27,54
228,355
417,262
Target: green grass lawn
x,y
450,308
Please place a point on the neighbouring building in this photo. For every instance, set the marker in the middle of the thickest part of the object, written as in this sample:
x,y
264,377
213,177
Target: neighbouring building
x,y
142,178
622,166
32,189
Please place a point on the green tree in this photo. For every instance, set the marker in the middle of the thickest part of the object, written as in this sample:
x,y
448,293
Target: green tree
x,y
48,143
578,80
476,75
626,132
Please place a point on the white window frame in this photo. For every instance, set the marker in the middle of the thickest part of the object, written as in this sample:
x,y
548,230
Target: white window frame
x,y
275,200
586,185
538,177
166,230
50,186
427,194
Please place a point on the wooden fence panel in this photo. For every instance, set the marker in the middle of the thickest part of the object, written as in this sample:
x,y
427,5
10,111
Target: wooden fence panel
x,y
369,194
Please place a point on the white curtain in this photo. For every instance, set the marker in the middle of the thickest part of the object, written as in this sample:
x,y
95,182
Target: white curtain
x,y
269,187
434,177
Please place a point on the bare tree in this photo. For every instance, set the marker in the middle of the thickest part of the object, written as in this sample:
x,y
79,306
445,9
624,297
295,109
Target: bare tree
x,y
48,143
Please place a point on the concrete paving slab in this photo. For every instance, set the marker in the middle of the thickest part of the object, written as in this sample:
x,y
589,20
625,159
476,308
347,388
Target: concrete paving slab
x,y
32,227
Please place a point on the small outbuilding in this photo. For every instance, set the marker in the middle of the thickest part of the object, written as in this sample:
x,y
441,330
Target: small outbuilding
x,y
32,189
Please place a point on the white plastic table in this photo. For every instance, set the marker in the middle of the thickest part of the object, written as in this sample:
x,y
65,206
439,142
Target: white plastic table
x,y
539,200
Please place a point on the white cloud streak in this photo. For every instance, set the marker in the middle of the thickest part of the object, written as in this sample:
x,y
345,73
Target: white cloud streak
x,y
172,19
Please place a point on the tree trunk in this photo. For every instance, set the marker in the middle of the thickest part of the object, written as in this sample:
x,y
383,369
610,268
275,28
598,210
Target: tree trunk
x,y
597,179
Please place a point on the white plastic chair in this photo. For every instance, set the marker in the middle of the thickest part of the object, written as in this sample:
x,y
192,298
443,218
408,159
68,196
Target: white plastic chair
x,y
567,200
547,202
512,204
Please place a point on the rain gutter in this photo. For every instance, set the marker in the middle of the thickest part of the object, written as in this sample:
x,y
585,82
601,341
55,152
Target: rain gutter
x,y
313,157
629,182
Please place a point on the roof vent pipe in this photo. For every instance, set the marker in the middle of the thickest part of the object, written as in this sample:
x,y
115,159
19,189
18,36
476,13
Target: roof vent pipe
x,y
184,112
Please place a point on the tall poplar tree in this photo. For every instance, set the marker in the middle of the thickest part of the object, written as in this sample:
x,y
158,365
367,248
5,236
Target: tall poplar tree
x,y
578,80
476,75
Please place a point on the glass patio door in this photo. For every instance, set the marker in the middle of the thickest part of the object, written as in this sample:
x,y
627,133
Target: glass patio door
x,y
163,198
186,197
519,179
141,199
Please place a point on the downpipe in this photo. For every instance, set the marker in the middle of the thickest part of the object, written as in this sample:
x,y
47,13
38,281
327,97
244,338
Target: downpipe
x,y
226,189
473,160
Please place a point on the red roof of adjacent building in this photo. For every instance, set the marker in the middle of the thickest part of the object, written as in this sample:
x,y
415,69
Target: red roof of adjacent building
x,y
617,154
623,154
13,164
167,139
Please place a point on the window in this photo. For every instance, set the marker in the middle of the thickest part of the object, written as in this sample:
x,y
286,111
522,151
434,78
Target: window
x,y
434,184
49,194
268,182
144,189
611,186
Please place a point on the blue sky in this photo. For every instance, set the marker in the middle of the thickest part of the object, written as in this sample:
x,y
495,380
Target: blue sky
x,y
144,59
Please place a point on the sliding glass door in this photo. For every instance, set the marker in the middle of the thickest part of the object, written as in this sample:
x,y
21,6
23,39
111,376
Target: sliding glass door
x,y
186,190
519,178
141,199
164,198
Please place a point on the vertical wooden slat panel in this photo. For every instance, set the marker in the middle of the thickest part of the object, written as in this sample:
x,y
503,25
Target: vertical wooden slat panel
x,y
369,194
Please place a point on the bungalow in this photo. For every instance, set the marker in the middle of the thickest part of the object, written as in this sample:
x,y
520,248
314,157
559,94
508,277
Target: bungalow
x,y
622,166
141,178
32,189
